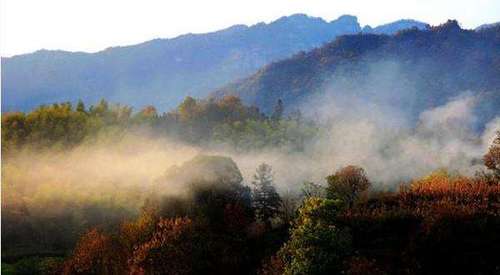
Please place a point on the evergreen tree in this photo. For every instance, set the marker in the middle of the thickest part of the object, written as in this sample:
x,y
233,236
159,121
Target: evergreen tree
x,y
80,107
278,111
266,200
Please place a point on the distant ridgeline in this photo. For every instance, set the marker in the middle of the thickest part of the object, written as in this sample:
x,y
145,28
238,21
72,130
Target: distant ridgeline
x,y
164,71
413,70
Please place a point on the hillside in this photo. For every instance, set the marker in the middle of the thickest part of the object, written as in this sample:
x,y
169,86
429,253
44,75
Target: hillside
x,y
163,71
413,70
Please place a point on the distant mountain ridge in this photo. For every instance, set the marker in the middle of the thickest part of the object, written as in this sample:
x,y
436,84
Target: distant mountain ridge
x,y
412,70
163,71
487,26
394,27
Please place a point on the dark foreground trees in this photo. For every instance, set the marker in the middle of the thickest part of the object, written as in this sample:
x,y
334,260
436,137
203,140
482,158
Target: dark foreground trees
x,y
439,224
208,228
442,223
213,223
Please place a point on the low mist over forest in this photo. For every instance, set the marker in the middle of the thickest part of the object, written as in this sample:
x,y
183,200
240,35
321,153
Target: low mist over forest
x,y
373,154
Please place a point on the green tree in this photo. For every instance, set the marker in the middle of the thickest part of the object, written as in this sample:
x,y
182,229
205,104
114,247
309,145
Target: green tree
x,y
80,107
266,201
14,130
187,109
316,245
101,109
56,125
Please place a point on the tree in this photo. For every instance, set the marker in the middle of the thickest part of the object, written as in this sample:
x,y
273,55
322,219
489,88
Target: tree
x,y
149,111
347,184
278,110
14,130
209,184
187,109
266,201
492,158
231,108
316,244
311,189
147,115
169,251
101,109
56,125
96,253
80,107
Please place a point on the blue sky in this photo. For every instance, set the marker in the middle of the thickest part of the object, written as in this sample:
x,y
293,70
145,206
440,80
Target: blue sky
x,y
92,25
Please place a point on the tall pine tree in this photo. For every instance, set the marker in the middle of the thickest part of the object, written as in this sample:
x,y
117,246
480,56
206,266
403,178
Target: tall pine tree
x,y
266,201
80,107
278,111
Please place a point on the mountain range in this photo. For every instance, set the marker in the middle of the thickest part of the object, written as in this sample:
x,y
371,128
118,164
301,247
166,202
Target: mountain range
x,y
413,70
163,71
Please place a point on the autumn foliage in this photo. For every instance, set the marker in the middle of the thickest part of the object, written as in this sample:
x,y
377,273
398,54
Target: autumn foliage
x,y
347,184
442,223
96,253
168,251
429,224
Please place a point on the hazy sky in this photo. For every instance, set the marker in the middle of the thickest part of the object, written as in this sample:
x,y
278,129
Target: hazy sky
x,y
92,25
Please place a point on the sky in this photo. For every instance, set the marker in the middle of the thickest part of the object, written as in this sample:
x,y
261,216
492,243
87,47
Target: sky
x,y
93,25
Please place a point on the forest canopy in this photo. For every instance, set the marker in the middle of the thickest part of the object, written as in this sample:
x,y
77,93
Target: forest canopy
x,y
226,121
104,195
